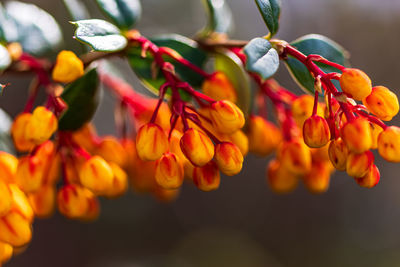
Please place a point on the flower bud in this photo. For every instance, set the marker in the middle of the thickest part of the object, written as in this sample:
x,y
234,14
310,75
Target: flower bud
x,y
359,164
86,137
389,144
18,130
226,117
219,87
5,198
8,167
120,182
240,139
96,175
316,131
357,135
93,210
6,252
280,180
72,201
30,172
228,157
317,180
302,108
47,153
207,178
197,147
68,67
295,156
320,154
20,203
264,136
15,229
382,103
169,171
338,154
151,142
43,201
355,83
371,179
375,132
41,125
111,150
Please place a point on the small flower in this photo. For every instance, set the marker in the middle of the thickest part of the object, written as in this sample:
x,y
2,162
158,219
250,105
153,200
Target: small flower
x,y
295,156
169,171
316,132
197,147
280,179
338,154
317,180
15,229
5,198
264,136
371,179
359,164
302,108
18,129
43,201
219,87
8,167
382,103
357,135
119,182
389,144
355,83
96,175
29,176
228,157
151,142
111,150
72,201
226,117
68,67
207,178
41,125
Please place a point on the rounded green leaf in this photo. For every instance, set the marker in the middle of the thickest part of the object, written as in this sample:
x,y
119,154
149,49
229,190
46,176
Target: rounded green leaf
x,y
82,97
261,58
5,59
100,35
124,13
6,143
270,11
220,17
319,45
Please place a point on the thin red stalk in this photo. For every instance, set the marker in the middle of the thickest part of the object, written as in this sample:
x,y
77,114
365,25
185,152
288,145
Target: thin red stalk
x,y
315,107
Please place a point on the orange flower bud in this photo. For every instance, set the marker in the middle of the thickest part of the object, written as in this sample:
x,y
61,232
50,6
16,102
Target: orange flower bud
x,y
47,153
165,195
371,179
72,201
375,132
355,83
41,126
175,147
120,182
338,153
15,50
302,108
72,167
197,147
382,103
5,198
18,130
226,117
240,139
320,154
359,164
15,229
6,252
111,150
295,156
316,131
86,137
30,172
317,180
280,180
357,135
219,87
43,201
207,178
264,136
8,167
20,203
96,175
169,171
389,144
151,142
93,210
68,67
228,157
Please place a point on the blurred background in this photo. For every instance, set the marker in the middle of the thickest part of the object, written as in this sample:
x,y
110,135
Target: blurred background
x,y
243,223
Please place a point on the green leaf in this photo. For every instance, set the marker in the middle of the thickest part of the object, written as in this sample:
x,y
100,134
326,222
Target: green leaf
x,y
229,63
82,97
100,35
261,57
36,30
124,13
76,9
6,143
220,17
5,59
270,11
315,44
187,48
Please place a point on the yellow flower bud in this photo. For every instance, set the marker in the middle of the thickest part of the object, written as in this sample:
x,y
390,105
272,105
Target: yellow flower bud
x,y
228,157
382,103
389,144
8,167
240,139
280,180
375,132
169,171
93,210
371,179
316,131
359,164
302,108
197,147
43,201
111,150
226,117
15,50
320,154
72,201
6,252
20,203
317,180
15,229
96,175
151,142
30,173
41,125
18,130
86,137
355,83
219,87
264,136
357,135
5,198
295,156
68,67
207,178
338,154
120,181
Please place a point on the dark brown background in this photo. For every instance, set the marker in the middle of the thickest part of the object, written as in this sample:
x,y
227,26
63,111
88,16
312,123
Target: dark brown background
x,y
243,223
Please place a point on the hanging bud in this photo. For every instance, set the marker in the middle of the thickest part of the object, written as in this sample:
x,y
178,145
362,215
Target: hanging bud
x,y
316,132
6,252
43,201
338,153
371,179
96,175
86,137
41,126
359,164
120,182
18,130
219,87
320,154
302,108
375,132
280,180
355,83
295,156
29,175
240,139
264,136
228,157
68,67
357,135
15,50
20,203
389,144
151,142
111,150
207,178
197,147
169,171
317,180
93,210
8,167
72,201
15,230
5,198
382,102
226,117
